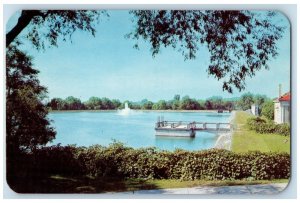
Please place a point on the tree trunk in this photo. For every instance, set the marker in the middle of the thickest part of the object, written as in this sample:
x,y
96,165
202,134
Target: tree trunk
x,y
23,21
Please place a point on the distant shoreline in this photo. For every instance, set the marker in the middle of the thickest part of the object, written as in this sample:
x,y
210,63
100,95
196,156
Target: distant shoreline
x,y
139,110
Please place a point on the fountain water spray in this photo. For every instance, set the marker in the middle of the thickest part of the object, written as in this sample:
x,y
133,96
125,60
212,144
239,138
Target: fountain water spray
x,y
125,111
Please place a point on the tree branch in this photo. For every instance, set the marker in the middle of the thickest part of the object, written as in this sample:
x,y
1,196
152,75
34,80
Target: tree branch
x,y
23,21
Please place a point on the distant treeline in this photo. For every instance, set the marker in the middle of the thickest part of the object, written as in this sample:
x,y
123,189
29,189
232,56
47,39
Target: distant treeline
x,y
177,103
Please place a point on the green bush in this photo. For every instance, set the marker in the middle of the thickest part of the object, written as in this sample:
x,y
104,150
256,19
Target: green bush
x,y
253,123
283,129
268,110
120,161
262,126
268,127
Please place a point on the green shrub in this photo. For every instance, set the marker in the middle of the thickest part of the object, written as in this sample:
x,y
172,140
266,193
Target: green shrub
x,y
268,110
120,161
253,123
262,126
268,127
283,129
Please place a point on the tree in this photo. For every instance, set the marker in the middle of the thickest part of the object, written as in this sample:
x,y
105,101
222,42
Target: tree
x,y
27,125
73,103
147,105
268,110
201,103
47,26
189,104
116,103
229,105
260,99
134,105
57,104
217,102
176,104
208,105
160,105
106,103
246,101
240,42
176,97
93,103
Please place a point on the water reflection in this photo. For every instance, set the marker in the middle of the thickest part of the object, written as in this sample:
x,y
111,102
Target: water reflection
x,y
202,140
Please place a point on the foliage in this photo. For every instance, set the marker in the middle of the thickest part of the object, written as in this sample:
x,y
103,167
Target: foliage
x,y
186,103
252,123
46,27
283,129
260,99
116,104
57,104
176,97
219,103
263,126
268,110
106,103
73,103
27,125
160,105
189,104
246,101
120,161
148,105
208,105
240,42
269,127
93,103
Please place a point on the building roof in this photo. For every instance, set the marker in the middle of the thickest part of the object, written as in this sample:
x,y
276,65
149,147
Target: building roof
x,y
285,97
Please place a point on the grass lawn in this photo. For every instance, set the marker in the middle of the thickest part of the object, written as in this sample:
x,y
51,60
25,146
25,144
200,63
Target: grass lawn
x,y
64,184
244,140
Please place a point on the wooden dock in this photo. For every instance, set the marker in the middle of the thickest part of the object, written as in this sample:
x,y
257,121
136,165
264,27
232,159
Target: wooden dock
x,y
188,129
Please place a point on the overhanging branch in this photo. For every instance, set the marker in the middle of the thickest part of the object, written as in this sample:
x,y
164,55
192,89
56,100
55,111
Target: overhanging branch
x,y
23,21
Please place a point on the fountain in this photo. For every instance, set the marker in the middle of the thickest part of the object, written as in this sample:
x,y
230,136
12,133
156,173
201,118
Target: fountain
x,y
125,111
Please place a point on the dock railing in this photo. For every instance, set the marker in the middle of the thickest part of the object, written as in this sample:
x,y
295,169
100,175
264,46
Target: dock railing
x,y
208,126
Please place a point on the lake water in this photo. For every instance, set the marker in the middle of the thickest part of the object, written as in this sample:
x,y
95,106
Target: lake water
x,y
135,130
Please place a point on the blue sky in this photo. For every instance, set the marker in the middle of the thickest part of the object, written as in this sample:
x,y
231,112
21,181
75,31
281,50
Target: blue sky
x,y
108,66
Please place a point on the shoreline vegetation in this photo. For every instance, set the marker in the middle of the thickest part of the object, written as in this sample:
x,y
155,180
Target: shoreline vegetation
x,y
177,103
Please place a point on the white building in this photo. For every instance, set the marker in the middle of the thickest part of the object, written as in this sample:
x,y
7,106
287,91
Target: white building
x,y
254,109
282,109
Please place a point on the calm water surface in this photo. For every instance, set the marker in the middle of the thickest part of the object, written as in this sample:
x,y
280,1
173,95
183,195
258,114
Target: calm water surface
x,y
135,130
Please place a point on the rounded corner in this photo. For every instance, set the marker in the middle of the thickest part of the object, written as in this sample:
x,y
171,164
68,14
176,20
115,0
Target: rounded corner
x,y
11,17
11,186
285,16
287,184
285,187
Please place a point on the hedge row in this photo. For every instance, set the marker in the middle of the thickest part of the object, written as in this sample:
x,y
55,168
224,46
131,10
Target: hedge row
x,y
118,160
263,126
